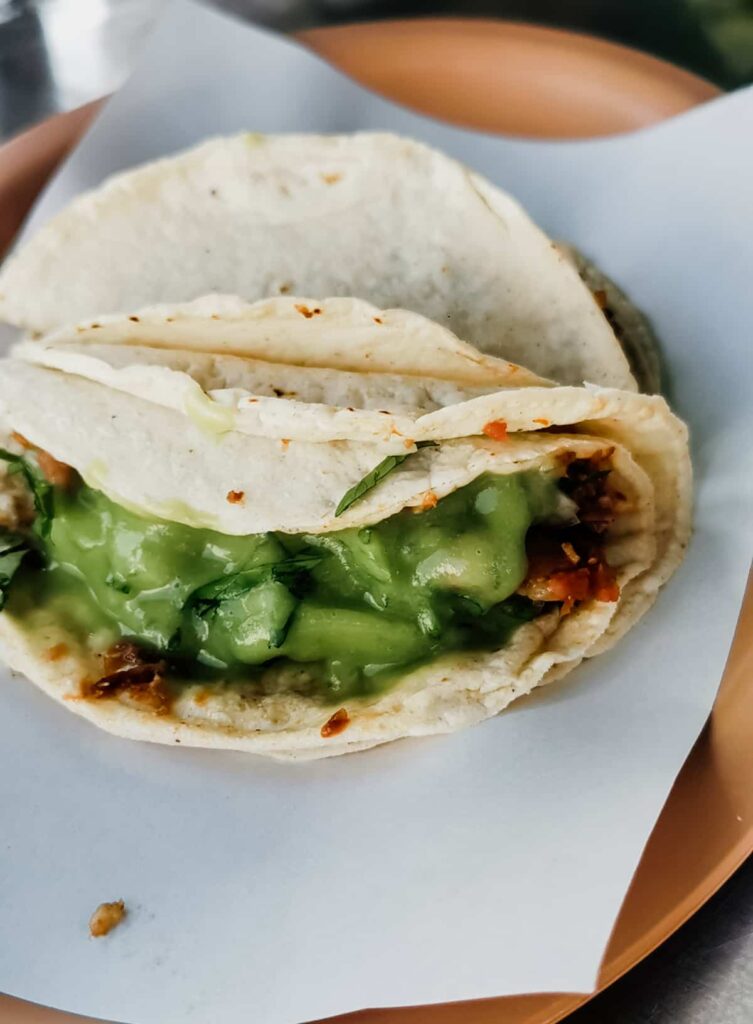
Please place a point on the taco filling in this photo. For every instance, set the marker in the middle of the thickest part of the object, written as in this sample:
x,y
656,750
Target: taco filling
x,y
350,610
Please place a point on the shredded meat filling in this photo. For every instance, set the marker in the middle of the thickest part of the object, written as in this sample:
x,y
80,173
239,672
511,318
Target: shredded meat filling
x,y
568,565
586,482
60,474
134,673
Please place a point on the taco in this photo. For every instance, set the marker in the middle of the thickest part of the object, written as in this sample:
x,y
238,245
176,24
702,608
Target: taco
x,y
320,553
385,218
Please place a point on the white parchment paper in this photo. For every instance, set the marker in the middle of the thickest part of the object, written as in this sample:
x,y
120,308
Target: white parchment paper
x,y
485,863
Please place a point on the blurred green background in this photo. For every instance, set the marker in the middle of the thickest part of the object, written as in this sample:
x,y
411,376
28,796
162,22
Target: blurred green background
x,y
714,38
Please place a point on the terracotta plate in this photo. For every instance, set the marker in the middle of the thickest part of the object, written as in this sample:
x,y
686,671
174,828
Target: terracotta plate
x,y
530,81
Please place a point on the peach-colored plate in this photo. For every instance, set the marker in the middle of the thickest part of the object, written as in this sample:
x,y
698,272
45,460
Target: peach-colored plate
x,y
531,81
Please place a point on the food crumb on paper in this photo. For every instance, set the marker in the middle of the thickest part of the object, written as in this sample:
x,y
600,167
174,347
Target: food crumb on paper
x,y
106,917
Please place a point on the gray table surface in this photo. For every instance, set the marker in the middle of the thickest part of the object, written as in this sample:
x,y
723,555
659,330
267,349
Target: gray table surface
x,y
57,54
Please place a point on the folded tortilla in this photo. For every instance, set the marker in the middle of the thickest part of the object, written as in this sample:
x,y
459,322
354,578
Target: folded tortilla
x,y
373,215
180,415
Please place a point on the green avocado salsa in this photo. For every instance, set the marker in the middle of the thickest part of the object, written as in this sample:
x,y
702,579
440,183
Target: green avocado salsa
x,y
354,606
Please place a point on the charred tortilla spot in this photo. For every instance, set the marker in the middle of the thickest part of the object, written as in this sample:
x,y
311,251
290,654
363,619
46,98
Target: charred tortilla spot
x,y
235,497
306,312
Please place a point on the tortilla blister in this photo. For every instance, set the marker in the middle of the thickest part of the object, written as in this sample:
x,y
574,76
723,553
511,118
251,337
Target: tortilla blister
x,y
149,455
368,214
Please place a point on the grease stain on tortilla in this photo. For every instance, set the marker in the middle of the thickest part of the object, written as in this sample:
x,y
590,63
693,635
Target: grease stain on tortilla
x,y
306,312
56,652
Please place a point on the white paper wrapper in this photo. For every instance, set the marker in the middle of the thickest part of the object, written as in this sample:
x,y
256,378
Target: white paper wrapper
x,y
480,864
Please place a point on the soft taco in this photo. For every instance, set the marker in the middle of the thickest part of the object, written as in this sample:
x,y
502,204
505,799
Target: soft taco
x,y
369,214
383,533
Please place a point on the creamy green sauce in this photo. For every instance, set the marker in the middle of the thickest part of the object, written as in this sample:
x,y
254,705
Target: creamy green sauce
x,y
355,606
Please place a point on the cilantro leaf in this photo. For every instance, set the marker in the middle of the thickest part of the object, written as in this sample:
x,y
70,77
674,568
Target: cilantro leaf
x,y
13,549
377,474
207,597
40,487
520,608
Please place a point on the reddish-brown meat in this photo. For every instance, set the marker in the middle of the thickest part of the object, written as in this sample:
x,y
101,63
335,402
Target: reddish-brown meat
x,y
136,673
568,565
55,472
586,482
